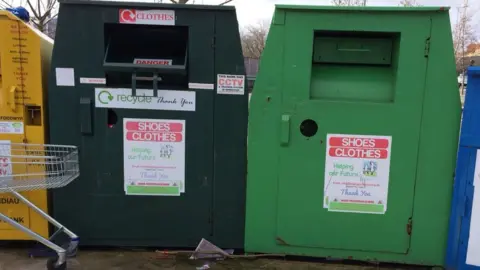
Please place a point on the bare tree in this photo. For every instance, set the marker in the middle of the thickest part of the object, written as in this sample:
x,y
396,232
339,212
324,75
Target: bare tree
x,y
6,4
463,35
253,39
187,1
44,11
409,3
349,2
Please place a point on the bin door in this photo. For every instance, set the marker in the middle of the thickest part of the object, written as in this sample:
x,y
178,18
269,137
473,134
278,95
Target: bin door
x,y
349,145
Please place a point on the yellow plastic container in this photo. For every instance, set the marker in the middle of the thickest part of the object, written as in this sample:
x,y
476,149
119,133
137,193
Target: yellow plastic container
x,y
25,55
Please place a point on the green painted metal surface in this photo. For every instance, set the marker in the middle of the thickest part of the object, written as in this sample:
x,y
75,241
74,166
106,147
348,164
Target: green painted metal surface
x,y
204,42
389,72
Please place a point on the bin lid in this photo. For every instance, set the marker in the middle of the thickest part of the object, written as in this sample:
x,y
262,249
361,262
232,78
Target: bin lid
x,y
146,5
358,8
11,16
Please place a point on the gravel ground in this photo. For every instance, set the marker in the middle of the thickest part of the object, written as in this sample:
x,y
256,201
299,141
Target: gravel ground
x,y
17,259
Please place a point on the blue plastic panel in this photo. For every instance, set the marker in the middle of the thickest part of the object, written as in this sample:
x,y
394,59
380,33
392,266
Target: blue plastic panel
x,y
463,252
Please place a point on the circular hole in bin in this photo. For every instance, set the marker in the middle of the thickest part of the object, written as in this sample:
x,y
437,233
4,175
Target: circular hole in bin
x,y
308,128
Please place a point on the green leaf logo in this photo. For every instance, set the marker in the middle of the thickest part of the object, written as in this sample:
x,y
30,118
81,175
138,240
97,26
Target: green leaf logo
x,y
104,97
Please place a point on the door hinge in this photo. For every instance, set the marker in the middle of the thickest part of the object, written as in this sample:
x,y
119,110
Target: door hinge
x,y
427,47
213,42
211,220
409,226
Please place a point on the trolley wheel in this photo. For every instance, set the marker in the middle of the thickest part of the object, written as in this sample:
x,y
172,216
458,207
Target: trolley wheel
x,y
52,264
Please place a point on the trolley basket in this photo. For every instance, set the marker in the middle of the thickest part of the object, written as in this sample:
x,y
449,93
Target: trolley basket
x,y
29,167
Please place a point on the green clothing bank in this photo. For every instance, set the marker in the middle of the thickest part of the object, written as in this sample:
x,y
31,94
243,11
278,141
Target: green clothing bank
x,y
353,130
153,96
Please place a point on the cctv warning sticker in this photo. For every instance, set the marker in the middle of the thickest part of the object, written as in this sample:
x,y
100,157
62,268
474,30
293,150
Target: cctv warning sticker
x,y
357,169
230,84
152,17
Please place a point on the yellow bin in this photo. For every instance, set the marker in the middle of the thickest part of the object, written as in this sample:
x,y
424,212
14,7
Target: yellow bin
x,y
25,55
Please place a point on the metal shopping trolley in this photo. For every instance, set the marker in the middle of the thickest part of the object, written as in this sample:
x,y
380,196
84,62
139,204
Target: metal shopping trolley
x,y
28,167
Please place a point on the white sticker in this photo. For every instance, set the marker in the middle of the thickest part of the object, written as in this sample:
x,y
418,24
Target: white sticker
x,y
170,100
473,250
154,157
65,76
207,86
5,161
11,127
152,62
230,84
154,17
93,80
357,171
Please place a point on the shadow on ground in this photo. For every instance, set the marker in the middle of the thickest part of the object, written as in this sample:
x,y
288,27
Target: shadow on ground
x,y
129,260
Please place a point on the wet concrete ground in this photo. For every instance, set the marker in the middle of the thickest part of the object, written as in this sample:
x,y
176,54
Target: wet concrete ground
x,y
16,259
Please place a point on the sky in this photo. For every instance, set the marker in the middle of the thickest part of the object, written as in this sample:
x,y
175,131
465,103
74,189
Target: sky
x,y
251,11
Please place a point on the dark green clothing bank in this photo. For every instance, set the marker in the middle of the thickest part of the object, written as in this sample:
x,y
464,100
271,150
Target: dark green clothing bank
x,y
106,55
353,130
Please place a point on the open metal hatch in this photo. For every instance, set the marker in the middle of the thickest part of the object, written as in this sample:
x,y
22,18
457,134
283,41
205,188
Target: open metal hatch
x,y
146,56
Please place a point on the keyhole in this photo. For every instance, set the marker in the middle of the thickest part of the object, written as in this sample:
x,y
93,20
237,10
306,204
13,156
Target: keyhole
x,y
308,128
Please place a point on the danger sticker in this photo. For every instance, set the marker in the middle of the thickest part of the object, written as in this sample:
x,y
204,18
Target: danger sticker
x,y
153,62
152,17
230,84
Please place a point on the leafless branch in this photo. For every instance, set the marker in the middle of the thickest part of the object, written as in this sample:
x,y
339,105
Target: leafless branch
x,y
173,1
409,3
51,18
43,5
47,14
6,4
349,2
226,2
42,13
35,13
463,35
253,39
